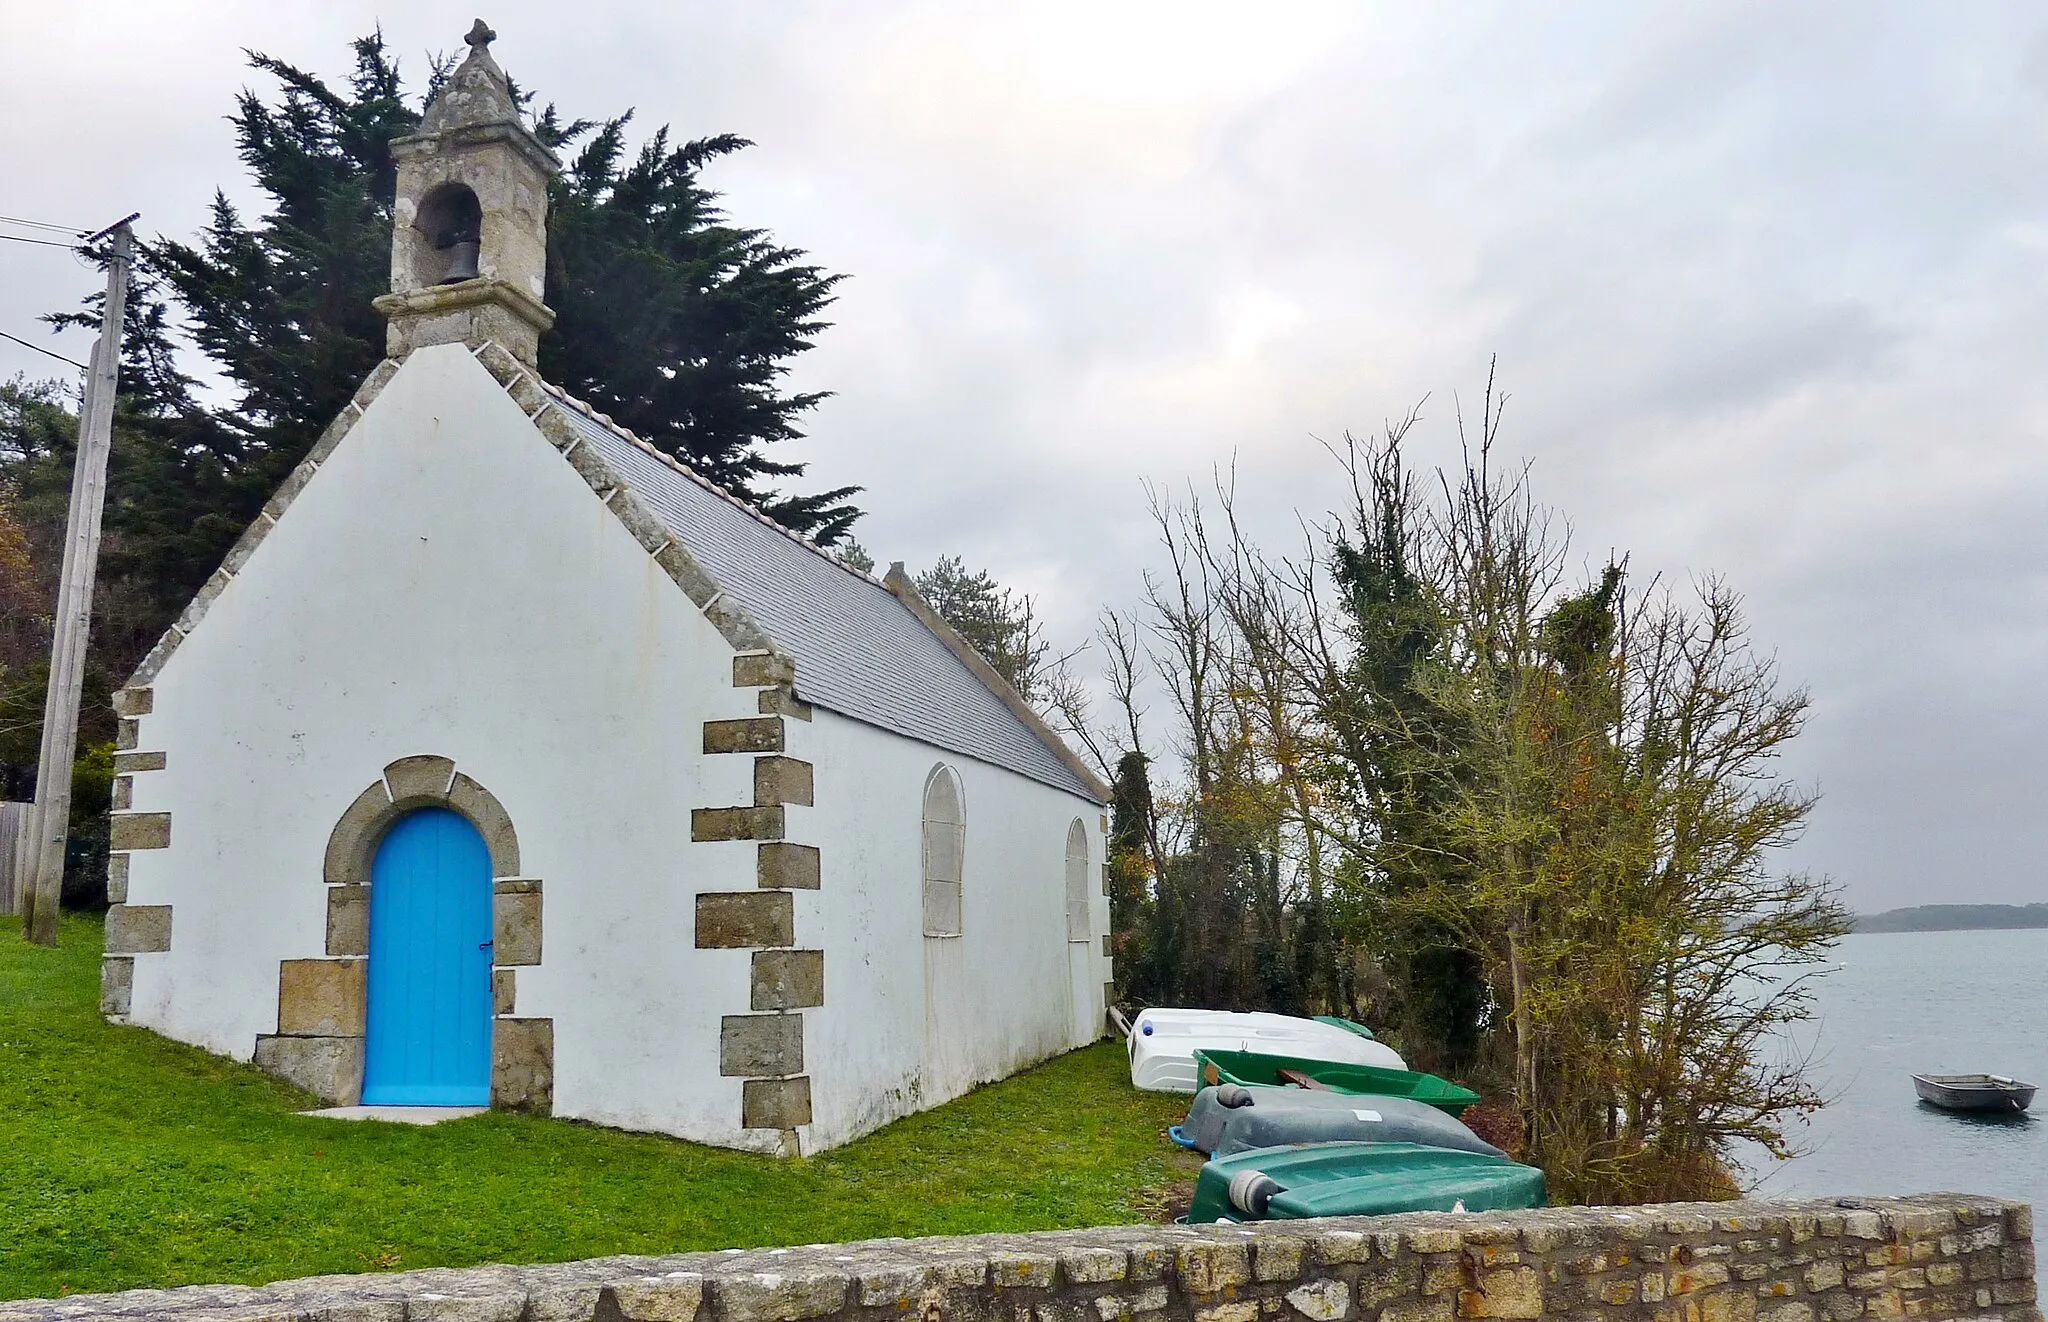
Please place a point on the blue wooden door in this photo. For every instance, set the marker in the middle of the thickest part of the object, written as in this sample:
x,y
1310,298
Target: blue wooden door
x,y
430,965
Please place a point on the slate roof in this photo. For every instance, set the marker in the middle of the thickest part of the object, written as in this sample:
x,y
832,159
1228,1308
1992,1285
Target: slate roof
x,y
859,650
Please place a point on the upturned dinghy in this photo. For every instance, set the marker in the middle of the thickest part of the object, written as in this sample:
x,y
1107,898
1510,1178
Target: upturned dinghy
x,y
1358,1179
1973,1092
1163,1043
1234,1118
1254,1068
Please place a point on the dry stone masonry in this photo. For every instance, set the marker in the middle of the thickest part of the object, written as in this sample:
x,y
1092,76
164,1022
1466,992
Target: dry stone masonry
x,y
1936,1256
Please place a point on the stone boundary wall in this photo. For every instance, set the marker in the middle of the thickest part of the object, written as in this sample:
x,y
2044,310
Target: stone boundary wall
x,y
1935,1256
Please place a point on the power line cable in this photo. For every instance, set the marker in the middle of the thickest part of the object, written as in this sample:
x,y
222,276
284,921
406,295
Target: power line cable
x,y
45,352
47,243
44,225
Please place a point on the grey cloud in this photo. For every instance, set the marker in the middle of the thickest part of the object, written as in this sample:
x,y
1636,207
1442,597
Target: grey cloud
x,y
1768,283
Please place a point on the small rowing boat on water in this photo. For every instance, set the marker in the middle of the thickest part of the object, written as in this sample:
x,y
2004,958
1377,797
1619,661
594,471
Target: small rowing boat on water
x,y
1973,1092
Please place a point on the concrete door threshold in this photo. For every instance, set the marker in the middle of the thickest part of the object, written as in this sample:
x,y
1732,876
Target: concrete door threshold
x,y
399,1115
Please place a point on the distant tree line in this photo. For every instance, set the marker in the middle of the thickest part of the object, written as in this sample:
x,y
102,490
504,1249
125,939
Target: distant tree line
x,y
1955,918
1415,774
677,322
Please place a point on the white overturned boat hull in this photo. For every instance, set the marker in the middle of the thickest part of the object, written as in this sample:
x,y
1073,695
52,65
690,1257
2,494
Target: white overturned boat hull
x,y
1163,1043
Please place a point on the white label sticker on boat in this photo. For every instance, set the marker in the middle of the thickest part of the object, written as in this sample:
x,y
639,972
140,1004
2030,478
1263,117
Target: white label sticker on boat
x,y
1368,1115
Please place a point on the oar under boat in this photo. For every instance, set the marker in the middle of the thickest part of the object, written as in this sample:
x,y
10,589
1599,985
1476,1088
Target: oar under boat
x,y
1974,1092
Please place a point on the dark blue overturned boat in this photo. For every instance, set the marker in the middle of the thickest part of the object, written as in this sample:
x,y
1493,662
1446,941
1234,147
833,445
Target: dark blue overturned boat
x,y
1234,1117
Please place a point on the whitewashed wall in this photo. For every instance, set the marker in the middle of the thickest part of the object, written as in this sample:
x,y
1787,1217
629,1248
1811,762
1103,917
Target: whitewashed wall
x,y
911,1021
447,585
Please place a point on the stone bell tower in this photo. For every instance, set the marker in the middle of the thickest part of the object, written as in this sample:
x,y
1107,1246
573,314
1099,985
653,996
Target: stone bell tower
x,y
469,234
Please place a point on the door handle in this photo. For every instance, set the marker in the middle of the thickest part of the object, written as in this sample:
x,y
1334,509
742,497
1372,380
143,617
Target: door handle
x,y
485,945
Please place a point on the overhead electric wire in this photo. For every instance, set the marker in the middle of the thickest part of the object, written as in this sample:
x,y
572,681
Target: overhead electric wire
x,y
47,243
44,225
45,352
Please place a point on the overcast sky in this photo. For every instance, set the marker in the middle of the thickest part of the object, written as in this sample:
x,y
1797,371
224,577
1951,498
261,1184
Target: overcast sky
x,y
1766,282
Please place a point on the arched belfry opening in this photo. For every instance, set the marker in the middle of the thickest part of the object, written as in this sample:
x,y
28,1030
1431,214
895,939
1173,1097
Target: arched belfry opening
x,y
447,238
469,237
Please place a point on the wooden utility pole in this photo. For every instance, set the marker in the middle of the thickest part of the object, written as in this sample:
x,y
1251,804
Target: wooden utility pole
x,y
51,817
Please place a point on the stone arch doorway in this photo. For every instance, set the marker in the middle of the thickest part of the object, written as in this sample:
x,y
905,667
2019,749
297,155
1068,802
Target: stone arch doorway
x,y
321,1039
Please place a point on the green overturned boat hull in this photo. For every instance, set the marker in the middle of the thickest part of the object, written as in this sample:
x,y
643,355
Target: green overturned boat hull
x,y
1253,1068
1359,1179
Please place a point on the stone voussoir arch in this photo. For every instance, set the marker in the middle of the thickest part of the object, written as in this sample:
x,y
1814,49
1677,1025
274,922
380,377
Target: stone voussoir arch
x,y
321,1003
421,781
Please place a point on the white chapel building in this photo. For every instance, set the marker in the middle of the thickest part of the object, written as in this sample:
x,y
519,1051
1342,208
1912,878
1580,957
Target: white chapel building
x,y
506,761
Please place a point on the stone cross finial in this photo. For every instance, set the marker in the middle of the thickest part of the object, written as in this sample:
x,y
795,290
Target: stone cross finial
x,y
480,36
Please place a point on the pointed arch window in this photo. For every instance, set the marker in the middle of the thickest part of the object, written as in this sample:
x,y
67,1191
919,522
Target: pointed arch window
x,y
945,845
1077,881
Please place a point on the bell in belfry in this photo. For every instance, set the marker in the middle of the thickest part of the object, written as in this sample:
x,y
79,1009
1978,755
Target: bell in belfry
x,y
469,233
462,246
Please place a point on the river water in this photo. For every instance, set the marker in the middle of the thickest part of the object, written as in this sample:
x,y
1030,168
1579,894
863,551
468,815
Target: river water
x,y
1930,1003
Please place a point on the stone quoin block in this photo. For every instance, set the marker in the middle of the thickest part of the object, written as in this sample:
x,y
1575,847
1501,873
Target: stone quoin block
x,y
730,920
788,980
708,824
127,734
348,920
320,997
784,866
782,701
138,929
780,779
117,878
117,985
747,734
757,670
515,928
775,1103
139,830
123,794
330,1068
755,1044
523,1065
504,991
134,702
127,763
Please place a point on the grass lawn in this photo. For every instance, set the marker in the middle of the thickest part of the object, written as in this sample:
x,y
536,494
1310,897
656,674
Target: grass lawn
x,y
127,1160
